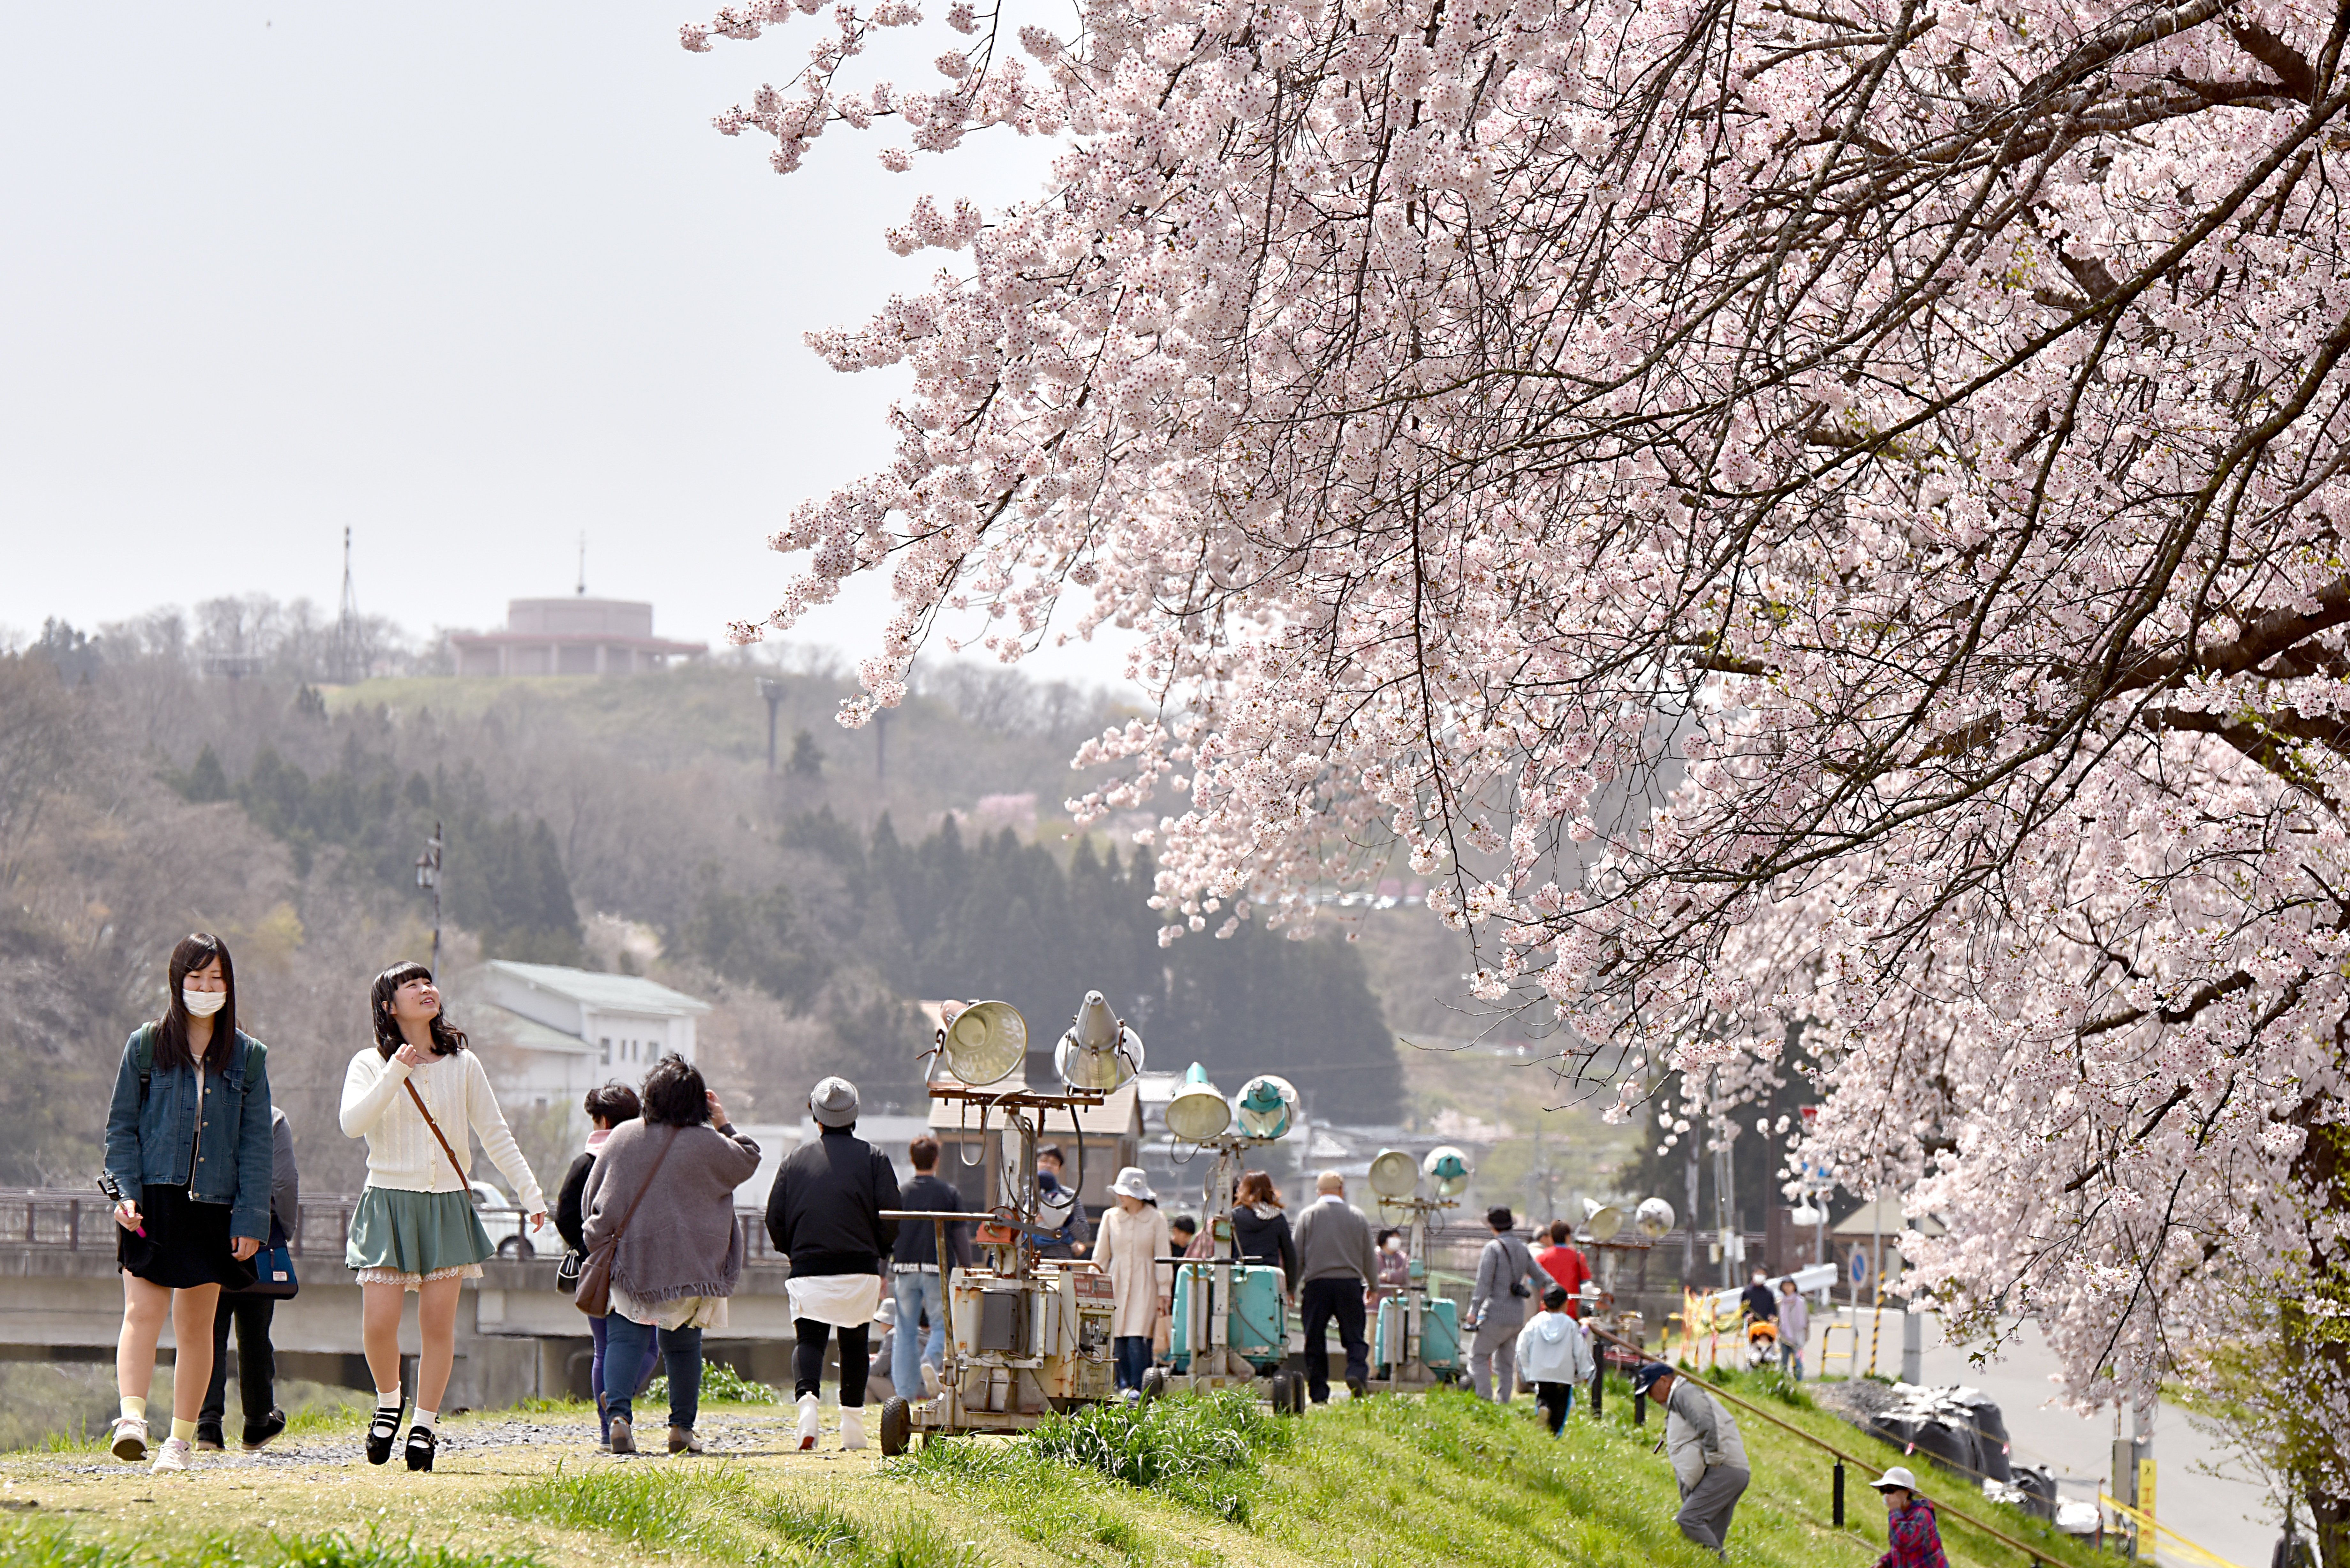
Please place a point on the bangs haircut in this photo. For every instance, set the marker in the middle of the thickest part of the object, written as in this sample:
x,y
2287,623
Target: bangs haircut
x,y
192,952
447,1039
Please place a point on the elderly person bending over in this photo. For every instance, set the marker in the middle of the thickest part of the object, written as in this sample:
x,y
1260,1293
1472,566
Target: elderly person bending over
x,y
664,1184
1708,1453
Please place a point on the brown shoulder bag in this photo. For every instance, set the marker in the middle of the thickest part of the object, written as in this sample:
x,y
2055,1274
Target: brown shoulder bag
x,y
594,1294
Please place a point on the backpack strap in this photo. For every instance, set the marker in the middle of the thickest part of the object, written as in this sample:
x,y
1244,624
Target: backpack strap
x,y
142,1056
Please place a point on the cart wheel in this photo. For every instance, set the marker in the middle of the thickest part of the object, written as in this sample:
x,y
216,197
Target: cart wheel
x,y
1283,1390
1154,1385
896,1427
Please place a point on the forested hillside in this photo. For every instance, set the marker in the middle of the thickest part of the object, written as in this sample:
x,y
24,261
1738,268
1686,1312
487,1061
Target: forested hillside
x,y
623,824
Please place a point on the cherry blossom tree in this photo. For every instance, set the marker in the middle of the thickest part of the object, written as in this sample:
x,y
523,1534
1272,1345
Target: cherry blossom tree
x,y
1823,510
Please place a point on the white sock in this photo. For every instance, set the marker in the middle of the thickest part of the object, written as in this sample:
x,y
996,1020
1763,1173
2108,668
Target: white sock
x,y
425,1419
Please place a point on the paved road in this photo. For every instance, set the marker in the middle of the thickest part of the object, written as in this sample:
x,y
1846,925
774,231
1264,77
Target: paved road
x,y
2202,1493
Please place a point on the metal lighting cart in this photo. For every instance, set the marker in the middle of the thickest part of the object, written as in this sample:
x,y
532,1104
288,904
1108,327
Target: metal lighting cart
x,y
1207,1288
1025,1336
1417,1369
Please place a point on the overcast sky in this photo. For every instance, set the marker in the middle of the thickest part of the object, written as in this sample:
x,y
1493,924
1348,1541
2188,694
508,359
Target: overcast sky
x,y
472,280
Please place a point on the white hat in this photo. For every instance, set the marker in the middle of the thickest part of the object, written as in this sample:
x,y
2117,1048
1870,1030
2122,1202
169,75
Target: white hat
x,y
1132,1183
1899,1476
833,1103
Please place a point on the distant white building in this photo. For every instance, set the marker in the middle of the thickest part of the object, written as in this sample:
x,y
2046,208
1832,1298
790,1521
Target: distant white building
x,y
577,636
566,1030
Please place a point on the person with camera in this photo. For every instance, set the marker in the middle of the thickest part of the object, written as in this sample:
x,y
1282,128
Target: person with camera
x,y
188,1164
1507,1279
661,1193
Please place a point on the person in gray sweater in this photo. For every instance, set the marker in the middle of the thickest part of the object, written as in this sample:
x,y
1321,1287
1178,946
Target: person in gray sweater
x,y
1507,1279
1337,1264
1707,1452
664,1185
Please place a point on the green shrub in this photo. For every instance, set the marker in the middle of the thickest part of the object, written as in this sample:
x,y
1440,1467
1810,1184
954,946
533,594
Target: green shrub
x,y
720,1382
1204,1450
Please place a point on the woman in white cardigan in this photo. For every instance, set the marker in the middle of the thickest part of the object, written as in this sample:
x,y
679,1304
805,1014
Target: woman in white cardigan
x,y
417,1095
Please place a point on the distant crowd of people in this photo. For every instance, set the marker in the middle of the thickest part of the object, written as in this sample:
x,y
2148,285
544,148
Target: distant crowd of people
x,y
202,1169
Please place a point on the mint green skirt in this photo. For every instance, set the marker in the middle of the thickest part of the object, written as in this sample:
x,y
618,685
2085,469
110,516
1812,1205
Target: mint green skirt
x,y
401,1238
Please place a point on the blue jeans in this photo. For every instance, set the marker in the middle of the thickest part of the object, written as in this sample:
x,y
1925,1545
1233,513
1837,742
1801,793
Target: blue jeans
x,y
626,1346
1133,1352
915,1294
597,1331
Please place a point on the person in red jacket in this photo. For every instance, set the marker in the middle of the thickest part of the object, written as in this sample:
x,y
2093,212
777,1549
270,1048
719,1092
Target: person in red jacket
x,y
1909,1525
1564,1264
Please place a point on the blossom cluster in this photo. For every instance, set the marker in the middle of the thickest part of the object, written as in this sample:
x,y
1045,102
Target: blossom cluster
x,y
1799,513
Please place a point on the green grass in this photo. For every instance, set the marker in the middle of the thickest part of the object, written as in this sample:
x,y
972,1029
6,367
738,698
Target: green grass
x,y
54,1546
715,1512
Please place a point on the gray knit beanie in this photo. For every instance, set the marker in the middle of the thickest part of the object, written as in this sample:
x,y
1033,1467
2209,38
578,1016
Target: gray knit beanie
x,y
833,1103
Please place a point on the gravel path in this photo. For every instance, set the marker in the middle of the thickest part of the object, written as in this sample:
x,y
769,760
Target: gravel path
x,y
721,1434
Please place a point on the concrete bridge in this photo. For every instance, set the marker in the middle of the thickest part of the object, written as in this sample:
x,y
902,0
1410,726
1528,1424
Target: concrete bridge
x,y
518,1337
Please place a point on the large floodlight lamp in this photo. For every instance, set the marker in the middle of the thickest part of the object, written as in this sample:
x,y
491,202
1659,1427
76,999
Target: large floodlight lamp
x,y
984,1042
1268,1105
1198,1112
1448,1168
1602,1220
1653,1218
1394,1174
1099,1052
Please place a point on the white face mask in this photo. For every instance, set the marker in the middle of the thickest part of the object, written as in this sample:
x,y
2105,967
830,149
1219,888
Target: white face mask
x,y
203,1004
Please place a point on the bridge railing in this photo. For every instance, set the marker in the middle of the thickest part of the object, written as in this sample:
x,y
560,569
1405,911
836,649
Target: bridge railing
x,y
70,1221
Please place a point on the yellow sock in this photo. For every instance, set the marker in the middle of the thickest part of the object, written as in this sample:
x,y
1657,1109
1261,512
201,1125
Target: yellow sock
x,y
135,1407
183,1430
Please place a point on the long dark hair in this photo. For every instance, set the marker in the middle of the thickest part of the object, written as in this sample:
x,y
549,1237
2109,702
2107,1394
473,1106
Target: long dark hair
x,y
195,950
447,1038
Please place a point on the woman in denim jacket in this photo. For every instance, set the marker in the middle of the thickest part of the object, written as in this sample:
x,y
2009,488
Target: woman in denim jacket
x,y
188,1161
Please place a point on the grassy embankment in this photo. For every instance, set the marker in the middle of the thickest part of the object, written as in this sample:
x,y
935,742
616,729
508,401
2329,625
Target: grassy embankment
x,y
1388,1482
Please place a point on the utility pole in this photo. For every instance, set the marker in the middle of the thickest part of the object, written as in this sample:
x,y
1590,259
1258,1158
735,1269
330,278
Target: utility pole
x,y
773,691
428,878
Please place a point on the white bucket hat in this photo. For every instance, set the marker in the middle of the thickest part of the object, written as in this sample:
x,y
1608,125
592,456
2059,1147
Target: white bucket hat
x,y
832,1102
1899,1476
1132,1183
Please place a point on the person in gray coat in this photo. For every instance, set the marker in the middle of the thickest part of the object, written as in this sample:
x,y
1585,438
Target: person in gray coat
x,y
1336,1262
1507,1279
1708,1453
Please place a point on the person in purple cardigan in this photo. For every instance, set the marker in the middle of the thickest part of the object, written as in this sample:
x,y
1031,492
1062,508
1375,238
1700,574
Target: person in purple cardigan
x,y
665,1185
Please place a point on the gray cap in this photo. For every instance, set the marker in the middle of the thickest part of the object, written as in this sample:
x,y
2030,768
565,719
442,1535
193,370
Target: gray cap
x,y
833,1103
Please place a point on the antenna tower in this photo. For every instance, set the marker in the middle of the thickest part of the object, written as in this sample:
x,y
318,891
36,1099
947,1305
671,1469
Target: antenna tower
x,y
583,564
346,623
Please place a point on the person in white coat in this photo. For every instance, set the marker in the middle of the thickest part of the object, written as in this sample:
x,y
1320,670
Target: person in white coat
x,y
419,1097
1132,1237
1555,1356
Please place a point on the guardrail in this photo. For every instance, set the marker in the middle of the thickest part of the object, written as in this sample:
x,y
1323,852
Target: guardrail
x,y
68,1220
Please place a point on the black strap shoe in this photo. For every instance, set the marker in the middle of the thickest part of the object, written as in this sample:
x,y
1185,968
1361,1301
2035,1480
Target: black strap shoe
x,y
381,1433
257,1434
421,1442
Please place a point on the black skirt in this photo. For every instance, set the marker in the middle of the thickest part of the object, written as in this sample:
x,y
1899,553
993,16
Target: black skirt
x,y
186,1244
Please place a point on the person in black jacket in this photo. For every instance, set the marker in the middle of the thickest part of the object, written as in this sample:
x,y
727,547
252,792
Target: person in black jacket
x,y
825,1215
257,1359
607,1105
1261,1229
915,1278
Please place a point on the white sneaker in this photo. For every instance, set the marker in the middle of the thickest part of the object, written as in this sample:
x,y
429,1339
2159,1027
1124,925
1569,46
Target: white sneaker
x,y
130,1439
930,1381
852,1428
176,1454
810,1423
